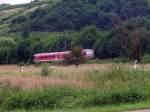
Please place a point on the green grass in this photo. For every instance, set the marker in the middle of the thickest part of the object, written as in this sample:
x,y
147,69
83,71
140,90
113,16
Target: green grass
x,y
146,58
105,61
11,11
22,5
109,108
29,4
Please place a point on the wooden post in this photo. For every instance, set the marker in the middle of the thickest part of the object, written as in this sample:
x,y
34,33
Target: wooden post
x,y
22,69
135,64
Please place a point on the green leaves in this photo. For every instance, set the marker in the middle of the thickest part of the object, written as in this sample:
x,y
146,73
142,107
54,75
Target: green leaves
x,y
7,46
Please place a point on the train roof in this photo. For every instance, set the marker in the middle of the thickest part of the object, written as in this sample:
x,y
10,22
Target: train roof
x,y
53,53
88,50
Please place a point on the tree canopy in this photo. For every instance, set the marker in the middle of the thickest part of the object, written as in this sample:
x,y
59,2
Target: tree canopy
x,y
74,15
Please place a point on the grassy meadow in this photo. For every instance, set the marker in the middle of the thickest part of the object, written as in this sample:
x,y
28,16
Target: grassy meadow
x,y
90,87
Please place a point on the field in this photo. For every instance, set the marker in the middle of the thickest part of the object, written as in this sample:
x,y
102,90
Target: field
x,y
66,75
88,88
58,75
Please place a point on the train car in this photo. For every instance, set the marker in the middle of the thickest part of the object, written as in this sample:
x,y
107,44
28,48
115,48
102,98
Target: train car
x,y
88,53
60,56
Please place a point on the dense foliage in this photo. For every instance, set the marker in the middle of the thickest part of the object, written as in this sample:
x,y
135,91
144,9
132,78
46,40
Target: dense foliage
x,y
113,28
74,15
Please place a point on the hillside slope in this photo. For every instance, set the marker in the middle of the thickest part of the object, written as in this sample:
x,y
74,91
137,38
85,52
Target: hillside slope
x,y
7,15
75,15
113,28
9,12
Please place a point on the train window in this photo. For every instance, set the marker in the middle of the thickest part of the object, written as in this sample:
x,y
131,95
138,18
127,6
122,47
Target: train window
x,y
34,58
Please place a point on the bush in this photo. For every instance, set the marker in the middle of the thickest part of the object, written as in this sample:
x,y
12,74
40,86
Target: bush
x,y
66,97
75,56
55,97
21,64
97,97
45,70
24,64
68,59
146,58
121,60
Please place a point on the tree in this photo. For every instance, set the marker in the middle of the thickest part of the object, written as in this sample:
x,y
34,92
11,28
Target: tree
x,y
123,37
88,37
75,56
130,39
4,5
7,46
75,15
22,51
105,21
26,31
19,19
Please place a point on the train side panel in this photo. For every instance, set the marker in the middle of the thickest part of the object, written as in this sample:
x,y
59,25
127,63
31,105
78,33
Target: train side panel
x,y
59,56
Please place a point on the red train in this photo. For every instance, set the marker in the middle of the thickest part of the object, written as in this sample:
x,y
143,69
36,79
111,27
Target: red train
x,y
59,56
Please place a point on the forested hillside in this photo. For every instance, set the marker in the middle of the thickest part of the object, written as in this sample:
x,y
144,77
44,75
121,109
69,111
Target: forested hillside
x,y
113,28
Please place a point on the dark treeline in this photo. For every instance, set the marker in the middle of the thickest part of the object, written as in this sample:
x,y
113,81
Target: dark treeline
x,y
74,15
113,28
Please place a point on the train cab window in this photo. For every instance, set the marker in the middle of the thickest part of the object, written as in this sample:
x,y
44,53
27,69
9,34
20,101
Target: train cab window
x,y
34,58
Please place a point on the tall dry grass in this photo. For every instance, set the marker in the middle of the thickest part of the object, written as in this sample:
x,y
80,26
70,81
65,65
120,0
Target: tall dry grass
x,y
86,76
59,75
